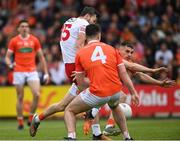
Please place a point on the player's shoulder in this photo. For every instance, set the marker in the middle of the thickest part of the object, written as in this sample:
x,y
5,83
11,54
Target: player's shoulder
x,y
81,21
71,20
107,46
33,37
14,38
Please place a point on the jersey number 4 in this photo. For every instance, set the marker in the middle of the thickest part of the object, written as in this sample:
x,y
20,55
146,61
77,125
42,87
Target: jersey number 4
x,y
98,55
65,32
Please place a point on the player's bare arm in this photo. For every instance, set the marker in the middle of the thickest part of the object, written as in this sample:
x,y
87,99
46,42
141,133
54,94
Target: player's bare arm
x,y
127,81
148,79
8,59
81,40
44,65
82,83
139,68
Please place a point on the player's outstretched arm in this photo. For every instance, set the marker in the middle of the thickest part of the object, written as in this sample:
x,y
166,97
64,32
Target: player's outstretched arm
x,y
140,68
148,79
44,65
127,81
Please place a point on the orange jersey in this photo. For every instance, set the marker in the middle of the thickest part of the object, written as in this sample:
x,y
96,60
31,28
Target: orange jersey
x,y
24,52
99,61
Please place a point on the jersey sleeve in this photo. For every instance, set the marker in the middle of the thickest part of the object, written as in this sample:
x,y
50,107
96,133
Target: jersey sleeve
x,y
78,64
119,58
11,45
82,27
37,44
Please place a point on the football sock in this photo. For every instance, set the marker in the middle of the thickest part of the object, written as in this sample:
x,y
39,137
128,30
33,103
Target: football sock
x,y
41,116
110,123
126,135
20,120
30,117
72,135
96,129
94,112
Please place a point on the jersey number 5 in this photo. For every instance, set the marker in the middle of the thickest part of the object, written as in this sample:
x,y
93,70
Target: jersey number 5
x,y
65,32
98,55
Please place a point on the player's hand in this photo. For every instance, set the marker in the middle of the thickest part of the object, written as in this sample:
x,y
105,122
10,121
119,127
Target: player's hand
x,y
135,99
167,83
11,66
160,70
46,78
73,75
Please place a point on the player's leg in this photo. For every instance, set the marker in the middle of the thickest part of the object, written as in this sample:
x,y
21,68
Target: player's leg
x,y
86,100
18,81
19,105
119,116
54,108
34,85
109,129
75,107
61,105
91,118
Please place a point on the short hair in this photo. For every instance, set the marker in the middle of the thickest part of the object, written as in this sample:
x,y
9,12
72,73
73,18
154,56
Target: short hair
x,y
22,21
92,30
127,44
89,10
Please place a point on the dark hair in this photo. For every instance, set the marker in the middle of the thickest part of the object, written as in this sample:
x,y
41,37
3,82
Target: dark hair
x,y
22,21
127,43
89,10
92,30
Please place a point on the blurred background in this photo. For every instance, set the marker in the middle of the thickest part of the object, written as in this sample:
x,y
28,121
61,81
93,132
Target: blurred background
x,y
152,25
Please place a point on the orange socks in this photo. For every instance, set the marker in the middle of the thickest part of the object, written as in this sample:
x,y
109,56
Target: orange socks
x,y
30,117
41,116
111,122
20,121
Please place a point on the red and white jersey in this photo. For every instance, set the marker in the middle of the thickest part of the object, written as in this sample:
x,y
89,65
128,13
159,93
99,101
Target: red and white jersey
x,y
69,35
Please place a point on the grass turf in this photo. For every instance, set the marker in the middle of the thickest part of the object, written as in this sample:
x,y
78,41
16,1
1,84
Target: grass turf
x,y
140,129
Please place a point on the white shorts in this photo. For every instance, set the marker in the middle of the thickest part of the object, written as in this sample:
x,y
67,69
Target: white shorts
x,y
73,89
19,78
96,101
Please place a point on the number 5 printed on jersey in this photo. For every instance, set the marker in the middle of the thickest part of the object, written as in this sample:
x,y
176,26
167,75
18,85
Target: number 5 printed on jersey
x,y
98,55
65,32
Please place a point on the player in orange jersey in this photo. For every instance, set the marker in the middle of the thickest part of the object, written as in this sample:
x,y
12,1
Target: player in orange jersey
x,y
126,50
24,47
104,67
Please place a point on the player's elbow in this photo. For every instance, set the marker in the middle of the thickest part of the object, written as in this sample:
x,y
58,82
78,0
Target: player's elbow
x,y
139,75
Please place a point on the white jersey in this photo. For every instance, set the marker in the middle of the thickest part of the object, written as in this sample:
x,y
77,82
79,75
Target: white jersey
x,y
69,35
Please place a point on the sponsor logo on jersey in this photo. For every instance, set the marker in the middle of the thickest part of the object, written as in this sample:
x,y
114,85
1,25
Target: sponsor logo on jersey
x,y
25,50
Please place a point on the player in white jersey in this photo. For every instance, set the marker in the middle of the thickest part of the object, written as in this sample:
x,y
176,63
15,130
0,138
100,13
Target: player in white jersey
x,y
72,38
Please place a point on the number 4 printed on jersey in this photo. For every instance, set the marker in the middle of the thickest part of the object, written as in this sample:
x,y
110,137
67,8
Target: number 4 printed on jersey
x,y
98,55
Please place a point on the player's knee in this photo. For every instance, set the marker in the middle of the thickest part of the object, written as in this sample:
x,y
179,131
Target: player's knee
x,y
20,100
36,94
62,105
114,106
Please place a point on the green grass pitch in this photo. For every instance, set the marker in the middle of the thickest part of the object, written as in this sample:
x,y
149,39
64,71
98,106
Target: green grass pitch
x,y
140,129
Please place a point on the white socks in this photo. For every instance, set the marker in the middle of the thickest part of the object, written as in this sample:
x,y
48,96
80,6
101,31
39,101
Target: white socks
x,y
37,119
96,129
94,112
126,135
72,135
